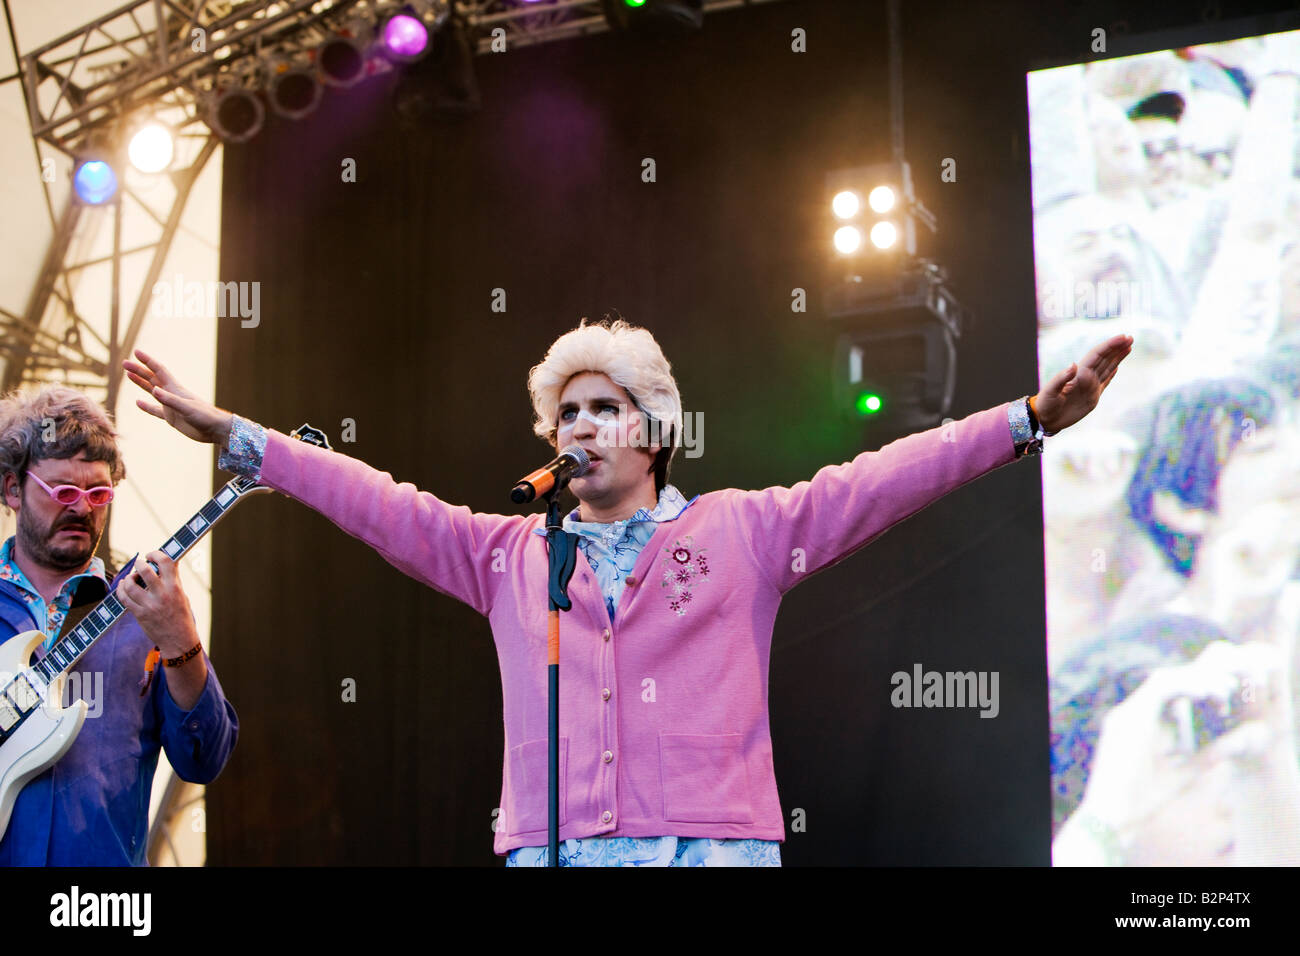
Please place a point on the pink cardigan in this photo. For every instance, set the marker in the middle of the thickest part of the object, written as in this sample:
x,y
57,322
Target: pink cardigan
x,y
663,715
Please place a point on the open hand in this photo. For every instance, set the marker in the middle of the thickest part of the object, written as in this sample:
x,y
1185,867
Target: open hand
x,y
1074,392
179,408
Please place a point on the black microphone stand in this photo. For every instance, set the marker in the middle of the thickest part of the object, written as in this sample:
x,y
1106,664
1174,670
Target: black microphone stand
x,y
562,552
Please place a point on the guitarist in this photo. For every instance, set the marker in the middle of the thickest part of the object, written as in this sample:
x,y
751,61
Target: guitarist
x,y
59,463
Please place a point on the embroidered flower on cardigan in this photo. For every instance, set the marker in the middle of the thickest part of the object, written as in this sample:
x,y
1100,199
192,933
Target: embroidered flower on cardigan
x,y
686,568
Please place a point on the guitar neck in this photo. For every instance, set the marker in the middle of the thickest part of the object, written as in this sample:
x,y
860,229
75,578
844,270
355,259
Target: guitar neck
x,y
70,647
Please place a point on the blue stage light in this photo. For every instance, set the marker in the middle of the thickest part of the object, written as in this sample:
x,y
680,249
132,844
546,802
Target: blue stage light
x,y
95,182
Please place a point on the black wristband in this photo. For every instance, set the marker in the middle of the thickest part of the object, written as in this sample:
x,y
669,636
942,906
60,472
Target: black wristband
x,y
189,655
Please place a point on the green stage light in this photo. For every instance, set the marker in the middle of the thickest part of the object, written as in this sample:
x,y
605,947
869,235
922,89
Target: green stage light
x,y
868,404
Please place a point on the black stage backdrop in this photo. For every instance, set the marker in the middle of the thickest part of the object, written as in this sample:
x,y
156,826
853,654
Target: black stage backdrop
x,y
375,307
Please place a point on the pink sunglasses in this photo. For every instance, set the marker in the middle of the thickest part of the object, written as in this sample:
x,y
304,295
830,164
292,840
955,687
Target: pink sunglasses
x,y
70,494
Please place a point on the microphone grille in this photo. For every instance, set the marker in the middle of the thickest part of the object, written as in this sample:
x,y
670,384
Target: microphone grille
x,y
578,454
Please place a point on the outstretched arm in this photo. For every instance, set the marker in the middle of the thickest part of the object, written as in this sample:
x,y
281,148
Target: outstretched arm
x,y
447,547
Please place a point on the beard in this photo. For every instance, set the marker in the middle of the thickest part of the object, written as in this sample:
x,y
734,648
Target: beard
x,y
39,544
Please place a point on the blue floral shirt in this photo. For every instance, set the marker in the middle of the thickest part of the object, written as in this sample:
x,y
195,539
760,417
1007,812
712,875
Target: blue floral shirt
x,y
48,617
611,548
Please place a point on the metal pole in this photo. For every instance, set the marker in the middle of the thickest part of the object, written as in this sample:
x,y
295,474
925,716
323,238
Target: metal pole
x,y
895,82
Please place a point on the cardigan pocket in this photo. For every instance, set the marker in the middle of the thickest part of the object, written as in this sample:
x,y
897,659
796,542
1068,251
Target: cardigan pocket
x,y
527,801
704,779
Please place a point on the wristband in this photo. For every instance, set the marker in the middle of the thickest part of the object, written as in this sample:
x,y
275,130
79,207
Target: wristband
x,y
189,655
1034,423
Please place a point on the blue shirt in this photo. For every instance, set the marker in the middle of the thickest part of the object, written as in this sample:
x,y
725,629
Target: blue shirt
x,y
91,808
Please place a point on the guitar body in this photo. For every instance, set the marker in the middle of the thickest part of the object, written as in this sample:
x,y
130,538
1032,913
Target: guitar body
x,y
46,733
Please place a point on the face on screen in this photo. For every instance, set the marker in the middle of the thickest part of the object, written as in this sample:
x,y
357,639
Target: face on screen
x,y
1166,160
1101,247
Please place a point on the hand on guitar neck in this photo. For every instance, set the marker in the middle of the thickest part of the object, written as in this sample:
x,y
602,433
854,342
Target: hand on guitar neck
x,y
176,404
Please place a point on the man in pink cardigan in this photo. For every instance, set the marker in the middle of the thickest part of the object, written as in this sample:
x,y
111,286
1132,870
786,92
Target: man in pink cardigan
x,y
665,754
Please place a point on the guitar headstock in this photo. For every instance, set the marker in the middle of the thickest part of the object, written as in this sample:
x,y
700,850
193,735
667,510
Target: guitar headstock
x,y
303,433
312,436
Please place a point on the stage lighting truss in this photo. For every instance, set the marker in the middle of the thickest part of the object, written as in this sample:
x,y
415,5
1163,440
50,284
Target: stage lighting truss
x,y
149,51
184,63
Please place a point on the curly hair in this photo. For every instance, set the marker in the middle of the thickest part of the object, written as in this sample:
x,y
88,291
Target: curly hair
x,y
632,359
55,421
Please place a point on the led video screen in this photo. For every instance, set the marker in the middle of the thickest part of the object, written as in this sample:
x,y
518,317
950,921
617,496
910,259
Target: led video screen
x,y
1167,206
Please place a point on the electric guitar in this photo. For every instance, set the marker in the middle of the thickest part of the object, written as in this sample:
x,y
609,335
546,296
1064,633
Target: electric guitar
x,y
35,729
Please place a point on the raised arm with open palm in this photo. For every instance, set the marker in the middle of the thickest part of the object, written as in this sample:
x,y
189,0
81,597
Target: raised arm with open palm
x,y
176,404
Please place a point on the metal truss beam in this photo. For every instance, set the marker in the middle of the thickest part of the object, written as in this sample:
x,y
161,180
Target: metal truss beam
x,y
147,50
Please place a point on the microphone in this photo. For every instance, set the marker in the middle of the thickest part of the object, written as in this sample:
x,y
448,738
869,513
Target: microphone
x,y
570,463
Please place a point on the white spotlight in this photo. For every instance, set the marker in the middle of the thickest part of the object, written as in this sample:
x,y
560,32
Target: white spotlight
x,y
848,239
846,204
151,148
881,199
884,235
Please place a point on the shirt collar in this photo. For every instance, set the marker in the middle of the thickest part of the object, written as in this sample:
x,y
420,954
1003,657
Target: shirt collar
x,y
670,506
10,571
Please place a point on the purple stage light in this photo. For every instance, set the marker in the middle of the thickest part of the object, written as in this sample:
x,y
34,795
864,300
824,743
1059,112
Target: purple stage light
x,y
405,36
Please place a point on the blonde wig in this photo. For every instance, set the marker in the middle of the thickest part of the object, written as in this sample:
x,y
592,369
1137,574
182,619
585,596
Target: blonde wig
x,y
632,359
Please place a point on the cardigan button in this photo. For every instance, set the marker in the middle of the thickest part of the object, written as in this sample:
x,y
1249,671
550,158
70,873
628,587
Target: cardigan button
x,y
606,817
606,634
608,756
604,694
631,582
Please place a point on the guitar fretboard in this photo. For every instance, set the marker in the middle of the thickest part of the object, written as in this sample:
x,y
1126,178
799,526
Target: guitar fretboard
x,y
71,646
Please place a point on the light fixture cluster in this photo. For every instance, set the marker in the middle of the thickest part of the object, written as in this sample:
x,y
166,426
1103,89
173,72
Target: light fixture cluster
x,y
288,80
292,83
872,208
149,145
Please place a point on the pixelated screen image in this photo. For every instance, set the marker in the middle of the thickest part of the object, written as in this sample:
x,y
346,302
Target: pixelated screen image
x,y
1166,193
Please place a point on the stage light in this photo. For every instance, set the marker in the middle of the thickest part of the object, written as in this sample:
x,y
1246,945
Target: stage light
x,y
654,16
868,403
846,204
341,60
405,39
236,115
94,181
151,148
884,235
848,239
882,199
293,91
443,84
